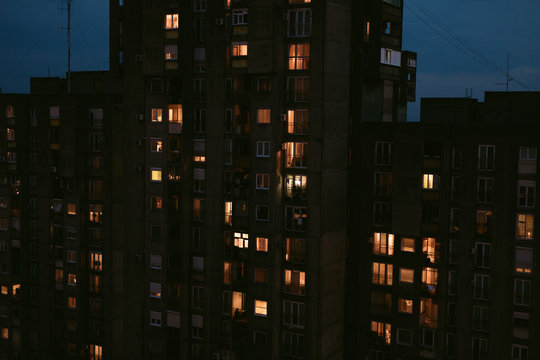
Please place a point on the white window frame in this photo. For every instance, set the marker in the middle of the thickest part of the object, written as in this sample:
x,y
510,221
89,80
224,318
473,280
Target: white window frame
x,y
263,149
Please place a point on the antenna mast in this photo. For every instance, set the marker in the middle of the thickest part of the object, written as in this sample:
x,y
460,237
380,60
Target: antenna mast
x,y
69,46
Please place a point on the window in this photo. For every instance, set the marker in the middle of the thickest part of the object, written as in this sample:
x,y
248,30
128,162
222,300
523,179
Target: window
x,y
381,303
260,338
294,282
171,21
431,249
524,260
485,190
171,52
95,262
383,153
481,287
427,337
520,352
263,148
522,292
407,244
383,244
527,153
71,256
199,5
390,57
156,144
197,297
452,282
296,155
457,155
430,182
263,116
95,212
264,84
479,349
155,318
299,23
299,56
199,89
296,187
197,264
454,220
406,275
294,314
155,290
382,332
72,302
10,111
262,244
199,124
155,174
298,88
72,279
261,308
263,181
404,336
156,202
239,49
261,276
240,17
383,184
199,209
405,306
175,115
155,261
484,222
297,121
486,157
480,318
430,278
452,251
382,213
526,193
382,273
296,218
295,250
455,191
241,240
196,326
525,226
199,150
96,352
157,115
483,255
228,213
293,345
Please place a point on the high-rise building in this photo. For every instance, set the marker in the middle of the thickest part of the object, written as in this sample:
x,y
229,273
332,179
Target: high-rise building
x,y
442,246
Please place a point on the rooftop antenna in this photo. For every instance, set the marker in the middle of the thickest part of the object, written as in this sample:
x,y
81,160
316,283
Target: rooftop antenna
x,y
508,78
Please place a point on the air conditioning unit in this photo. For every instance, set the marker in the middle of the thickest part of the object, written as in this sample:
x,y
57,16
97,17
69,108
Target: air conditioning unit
x,y
138,58
53,169
219,21
140,117
471,250
284,117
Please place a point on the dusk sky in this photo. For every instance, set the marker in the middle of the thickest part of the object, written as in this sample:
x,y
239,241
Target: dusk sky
x,y
33,40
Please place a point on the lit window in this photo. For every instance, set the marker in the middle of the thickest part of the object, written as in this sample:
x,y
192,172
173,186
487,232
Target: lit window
x,y
96,352
171,21
72,302
227,272
95,212
484,222
228,212
261,308
175,114
4,290
156,144
296,187
430,182
263,116
262,244
525,226
298,56
382,332
238,303
157,115
430,278
10,134
296,218
155,174
199,150
4,333
95,261
72,209
171,52
72,279
407,244
295,282
10,111
241,240
239,49
155,290
198,209
240,17
297,121
431,249
264,84
71,256
383,244
524,260
156,203
382,273
296,155
406,306
263,181
406,275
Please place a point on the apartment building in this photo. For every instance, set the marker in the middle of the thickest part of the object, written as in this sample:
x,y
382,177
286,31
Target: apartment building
x,y
442,236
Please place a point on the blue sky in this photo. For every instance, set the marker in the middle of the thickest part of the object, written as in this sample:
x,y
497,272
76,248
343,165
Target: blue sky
x,y
32,41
